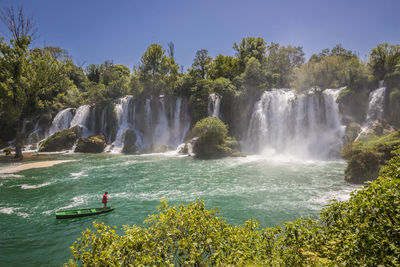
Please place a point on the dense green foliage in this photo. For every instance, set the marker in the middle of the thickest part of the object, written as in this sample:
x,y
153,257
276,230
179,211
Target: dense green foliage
x,y
213,140
363,231
365,158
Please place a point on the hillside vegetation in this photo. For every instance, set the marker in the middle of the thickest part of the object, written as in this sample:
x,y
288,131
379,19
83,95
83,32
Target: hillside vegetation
x,y
365,158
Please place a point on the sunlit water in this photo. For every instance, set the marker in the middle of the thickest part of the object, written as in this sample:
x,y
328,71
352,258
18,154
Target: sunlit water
x,y
271,191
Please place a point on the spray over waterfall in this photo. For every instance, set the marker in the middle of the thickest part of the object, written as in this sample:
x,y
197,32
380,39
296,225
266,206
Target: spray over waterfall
x,y
304,125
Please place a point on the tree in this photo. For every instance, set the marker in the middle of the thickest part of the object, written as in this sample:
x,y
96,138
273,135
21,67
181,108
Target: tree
x,y
384,59
19,25
224,66
15,74
201,64
280,62
29,79
250,47
154,61
158,73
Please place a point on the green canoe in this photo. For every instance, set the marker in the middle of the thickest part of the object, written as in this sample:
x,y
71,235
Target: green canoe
x,y
64,214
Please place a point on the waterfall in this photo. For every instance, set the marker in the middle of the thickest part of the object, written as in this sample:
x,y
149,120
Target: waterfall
x,y
376,101
158,122
304,125
181,122
375,111
122,110
61,121
214,102
161,131
81,119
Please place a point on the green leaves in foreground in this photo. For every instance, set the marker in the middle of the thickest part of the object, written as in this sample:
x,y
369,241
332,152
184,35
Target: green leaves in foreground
x,y
363,231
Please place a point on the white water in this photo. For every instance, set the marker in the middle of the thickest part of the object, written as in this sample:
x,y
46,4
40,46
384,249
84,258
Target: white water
x,y
376,103
159,129
81,119
214,103
375,111
61,121
306,125
122,111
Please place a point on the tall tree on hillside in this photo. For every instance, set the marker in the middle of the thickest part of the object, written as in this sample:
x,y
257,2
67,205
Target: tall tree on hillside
x,y
29,80
157,71
201,64
224,66
384,59
15,68
18,24
250,47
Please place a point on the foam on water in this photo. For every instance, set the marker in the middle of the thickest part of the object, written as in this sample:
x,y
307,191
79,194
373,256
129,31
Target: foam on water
x,y
77,175
27,186
77,201
10,175
13,210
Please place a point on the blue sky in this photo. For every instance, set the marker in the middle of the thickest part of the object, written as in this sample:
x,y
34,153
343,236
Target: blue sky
x,y
121,30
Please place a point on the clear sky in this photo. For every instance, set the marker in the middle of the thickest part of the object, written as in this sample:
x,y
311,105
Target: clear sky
x,y
93,31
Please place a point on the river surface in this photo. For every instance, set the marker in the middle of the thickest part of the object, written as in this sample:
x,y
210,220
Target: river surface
x,y
271,190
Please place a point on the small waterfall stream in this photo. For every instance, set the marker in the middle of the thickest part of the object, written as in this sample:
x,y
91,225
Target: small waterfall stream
x,y
61,121
81,119
375,111
214,102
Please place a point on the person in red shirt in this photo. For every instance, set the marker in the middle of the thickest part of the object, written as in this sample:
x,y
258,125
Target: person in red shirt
x,y
105,199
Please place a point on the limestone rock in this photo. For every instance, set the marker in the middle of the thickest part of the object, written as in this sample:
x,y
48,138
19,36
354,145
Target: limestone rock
x,y
92,144
62,140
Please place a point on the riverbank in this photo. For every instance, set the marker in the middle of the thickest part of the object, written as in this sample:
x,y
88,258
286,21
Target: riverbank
x,y
30,161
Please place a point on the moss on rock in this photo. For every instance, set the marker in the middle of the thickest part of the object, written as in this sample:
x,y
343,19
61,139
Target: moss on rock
x,y
92,144
365,158
213,141
62,140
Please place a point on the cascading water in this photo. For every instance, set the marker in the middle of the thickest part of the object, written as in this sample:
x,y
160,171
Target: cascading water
x,y
304,125
81,119
376,101
161,131
214,102
122,110
156,128
375,111
61,121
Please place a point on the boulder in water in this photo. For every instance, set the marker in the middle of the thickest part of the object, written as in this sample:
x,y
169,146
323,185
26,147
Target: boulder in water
x,y
62,140
92,144
129,142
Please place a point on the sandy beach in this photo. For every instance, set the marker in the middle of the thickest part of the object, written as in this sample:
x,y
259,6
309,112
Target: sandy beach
x,y
27,166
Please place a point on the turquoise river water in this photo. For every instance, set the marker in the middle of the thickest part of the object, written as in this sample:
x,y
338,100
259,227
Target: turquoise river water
x,y
270,190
